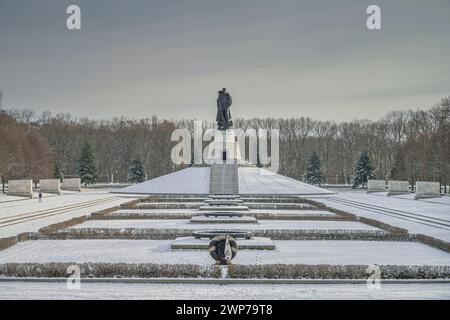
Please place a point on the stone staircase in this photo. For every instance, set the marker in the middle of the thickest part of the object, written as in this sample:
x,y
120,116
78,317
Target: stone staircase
x,y
224,179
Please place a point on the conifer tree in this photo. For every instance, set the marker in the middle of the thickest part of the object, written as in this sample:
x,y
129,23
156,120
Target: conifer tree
x,y
136,172
364,171
87,171
58,170
313,174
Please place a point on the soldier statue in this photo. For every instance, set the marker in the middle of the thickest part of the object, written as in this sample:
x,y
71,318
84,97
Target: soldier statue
x,y
223,117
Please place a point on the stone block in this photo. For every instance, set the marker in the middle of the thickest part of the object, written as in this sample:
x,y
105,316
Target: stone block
x,y
73,184
426,189
398,187
50,186
376,186
22,188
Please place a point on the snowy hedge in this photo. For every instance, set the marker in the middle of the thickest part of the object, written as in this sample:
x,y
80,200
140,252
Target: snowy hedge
x,y
175,200
105,211
258,215
273,271
107,270
143,215
169,205
129,205
166,234
62,225
6,243
298,271
294,216
433,242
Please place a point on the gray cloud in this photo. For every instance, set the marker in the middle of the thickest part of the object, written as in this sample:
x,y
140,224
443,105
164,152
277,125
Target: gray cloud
x,y
278,58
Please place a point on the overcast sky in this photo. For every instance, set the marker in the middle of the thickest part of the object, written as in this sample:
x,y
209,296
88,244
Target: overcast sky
x,y
279,58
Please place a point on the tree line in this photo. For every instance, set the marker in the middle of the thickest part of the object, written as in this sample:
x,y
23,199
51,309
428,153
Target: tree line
x,y
411,145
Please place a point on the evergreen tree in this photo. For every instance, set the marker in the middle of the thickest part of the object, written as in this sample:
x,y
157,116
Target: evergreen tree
x,y
364,171
313,174
58,170
87,171
136,172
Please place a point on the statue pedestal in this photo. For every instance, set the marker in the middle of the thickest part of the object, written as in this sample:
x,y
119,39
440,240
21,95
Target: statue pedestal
x,y
224,149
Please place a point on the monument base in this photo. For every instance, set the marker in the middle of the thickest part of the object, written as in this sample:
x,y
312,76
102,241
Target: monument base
x,y
254,243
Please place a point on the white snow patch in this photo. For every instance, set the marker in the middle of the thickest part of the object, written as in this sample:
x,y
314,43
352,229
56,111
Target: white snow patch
x,y
287,252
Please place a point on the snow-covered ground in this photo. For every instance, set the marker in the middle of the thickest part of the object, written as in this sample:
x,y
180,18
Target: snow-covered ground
x,y
287,252
262,181
428,216
189,180
195,211
261,225
196,181
59,290
29,215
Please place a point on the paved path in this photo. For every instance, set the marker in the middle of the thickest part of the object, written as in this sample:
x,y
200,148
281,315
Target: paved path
x,y
59,290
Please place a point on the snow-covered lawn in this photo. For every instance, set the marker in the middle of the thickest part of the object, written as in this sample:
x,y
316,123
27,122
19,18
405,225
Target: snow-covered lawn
x,y
435,210
261,225
59,290
30,215
195,211
262,181
287,252
189,180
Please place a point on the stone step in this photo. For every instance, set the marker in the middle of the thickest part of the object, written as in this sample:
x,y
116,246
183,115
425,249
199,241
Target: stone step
x,y
224,196
221,202
223,219
223,208
222,214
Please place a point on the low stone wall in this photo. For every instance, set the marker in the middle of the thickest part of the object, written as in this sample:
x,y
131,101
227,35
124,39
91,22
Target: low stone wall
x,y
398,187
425,189
22,188
50,186
73,184
376,186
